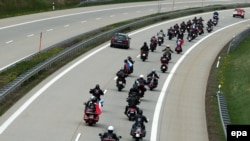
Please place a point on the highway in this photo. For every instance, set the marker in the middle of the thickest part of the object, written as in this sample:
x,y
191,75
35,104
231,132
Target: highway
x,y
20,36
53,110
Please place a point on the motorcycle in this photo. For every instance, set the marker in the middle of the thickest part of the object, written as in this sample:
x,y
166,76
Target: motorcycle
x,y
215,22
178,49
90,116
153,82
200,30
120,84
164,67
189,37
160,39
153,46
144,55
138,133
108,138
131,113
209,29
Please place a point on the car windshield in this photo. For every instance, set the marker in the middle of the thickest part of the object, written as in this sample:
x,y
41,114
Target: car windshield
x,y
121,37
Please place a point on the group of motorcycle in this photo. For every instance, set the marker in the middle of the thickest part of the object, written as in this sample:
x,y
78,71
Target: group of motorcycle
x,y
138,89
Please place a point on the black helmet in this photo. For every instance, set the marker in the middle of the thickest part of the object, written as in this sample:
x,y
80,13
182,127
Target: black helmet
x,y
97,86
129,57
140,112
125,61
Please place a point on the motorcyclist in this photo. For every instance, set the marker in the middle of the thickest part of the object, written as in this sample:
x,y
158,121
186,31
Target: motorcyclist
x,y
133,91
210,23
168,51
216,15
90,103
176,26
161,33
145,48
154,75
140,83
195,20
121,74
140,119
97,92
153,40
127,67
131,63
183,26
110,134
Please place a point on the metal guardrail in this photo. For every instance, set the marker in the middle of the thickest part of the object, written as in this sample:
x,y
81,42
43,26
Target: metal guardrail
x,y
237,39
225,119
224,116
8,90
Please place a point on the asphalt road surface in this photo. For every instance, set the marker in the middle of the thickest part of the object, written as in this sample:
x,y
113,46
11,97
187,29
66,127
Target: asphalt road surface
x,y
53,110
20,36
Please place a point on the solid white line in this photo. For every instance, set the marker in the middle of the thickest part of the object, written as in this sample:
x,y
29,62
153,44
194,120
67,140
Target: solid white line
x,y
10,41
67,25
98,18
83,21
159,103
78,137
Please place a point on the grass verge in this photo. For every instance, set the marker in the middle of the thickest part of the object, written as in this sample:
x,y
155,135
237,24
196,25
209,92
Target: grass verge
x,y
235,81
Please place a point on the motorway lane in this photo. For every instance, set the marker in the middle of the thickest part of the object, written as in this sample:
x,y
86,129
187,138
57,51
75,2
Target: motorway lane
x,y
20,35
56,114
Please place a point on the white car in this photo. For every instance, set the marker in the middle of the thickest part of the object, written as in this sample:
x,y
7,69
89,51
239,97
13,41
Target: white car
x,y
238,12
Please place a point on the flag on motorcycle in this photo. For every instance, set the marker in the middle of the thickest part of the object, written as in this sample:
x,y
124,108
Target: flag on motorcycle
x,y
129,64
98,108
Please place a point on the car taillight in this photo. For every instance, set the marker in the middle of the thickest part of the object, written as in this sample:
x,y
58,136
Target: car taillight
x,y
113,38
126,41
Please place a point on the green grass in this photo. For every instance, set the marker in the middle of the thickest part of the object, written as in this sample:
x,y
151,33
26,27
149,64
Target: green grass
x,y
235,79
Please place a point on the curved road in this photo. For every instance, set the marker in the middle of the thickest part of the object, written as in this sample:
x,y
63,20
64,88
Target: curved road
x,y
53,110
20,35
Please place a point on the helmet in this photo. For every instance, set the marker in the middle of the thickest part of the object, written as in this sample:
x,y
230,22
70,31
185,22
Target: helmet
x,y
168,45
92,97
110,129
97,86
129,57
164,55
140,112
141,76
161,30
125,61
153,70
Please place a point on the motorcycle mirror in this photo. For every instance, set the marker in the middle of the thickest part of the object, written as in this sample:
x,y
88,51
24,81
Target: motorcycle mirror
x,y
100,134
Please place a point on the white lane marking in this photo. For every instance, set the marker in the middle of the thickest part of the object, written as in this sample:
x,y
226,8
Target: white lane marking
x,y
78,137
30,35
67,25
105,91
83,21
10,41
166,83
5,125
218,62
49,29
98,18
111,16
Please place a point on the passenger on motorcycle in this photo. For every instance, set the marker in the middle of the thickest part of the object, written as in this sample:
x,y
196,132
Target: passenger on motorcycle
x,y
97,92
121,74
154,75
140,119
168,51
110,134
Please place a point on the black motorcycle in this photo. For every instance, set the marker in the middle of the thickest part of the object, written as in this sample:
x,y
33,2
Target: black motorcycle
x,y
120,83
